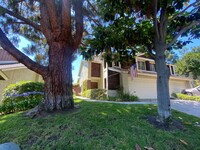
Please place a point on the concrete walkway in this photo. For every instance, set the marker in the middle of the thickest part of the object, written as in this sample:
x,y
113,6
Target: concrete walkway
x,y
188,107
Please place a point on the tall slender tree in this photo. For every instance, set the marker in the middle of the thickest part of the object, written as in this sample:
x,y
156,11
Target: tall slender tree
x,y
55,24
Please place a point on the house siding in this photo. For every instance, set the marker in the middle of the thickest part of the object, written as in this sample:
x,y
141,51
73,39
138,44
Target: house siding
x,y
16,76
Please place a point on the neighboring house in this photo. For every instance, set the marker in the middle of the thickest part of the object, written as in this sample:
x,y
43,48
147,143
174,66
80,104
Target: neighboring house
x,y
101,75
11,71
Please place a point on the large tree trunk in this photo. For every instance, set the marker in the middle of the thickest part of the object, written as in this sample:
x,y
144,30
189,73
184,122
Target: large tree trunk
x,y
163,97
58,81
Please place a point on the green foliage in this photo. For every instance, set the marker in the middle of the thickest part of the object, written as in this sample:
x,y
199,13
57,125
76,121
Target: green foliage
x,y
186,97
196,83
128,27
85,86
128,97
21,96
190,63
98,94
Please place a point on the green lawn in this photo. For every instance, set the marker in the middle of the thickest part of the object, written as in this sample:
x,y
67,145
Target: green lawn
x,y
98,126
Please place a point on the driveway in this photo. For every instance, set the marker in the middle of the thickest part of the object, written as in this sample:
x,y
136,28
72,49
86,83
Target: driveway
x,y
188,107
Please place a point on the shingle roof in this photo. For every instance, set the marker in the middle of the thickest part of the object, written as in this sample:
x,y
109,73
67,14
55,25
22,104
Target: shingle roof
x,y
5,56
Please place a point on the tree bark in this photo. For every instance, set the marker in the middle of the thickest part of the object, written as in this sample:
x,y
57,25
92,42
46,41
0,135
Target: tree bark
x,y
58,82
163,74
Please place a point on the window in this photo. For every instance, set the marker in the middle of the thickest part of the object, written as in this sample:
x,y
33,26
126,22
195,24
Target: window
x,y
116,64
172,70
141,65
105,83
94,85
96,70
152,67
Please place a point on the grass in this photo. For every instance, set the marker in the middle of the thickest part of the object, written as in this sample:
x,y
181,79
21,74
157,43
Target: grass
x,y
98,126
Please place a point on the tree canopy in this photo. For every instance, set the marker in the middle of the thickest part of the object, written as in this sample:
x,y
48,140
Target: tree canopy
x,y
189,64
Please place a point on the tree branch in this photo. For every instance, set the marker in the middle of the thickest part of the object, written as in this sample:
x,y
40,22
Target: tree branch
x,y
27,21
53,16
93,8
66,16
163,24
45,22
181,32
180,13
9,47
90,18
78,4
155,21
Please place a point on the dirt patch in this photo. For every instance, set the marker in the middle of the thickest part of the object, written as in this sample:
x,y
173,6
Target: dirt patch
x,y
170,125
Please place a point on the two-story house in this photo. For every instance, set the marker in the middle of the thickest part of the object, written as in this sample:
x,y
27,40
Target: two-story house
x,y
142,82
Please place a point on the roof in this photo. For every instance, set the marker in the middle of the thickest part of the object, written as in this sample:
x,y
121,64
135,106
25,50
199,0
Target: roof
x,y
5,56
11,66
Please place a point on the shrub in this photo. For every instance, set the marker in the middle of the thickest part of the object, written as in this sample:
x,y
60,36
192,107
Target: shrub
x,y
122,96
98,94
128,97
125,97
187,97
21,96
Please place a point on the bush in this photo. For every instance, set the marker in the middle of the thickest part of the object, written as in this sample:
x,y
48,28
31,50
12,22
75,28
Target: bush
x,y
98,94
21,96
186,97
123,97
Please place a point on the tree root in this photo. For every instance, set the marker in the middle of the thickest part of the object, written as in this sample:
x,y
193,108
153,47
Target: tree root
x,y
40,111
36,111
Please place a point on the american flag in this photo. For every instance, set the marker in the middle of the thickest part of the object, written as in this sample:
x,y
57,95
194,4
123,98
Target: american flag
x,y
133,71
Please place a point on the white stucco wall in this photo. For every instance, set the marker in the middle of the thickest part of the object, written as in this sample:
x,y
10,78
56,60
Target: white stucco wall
x,y
17,75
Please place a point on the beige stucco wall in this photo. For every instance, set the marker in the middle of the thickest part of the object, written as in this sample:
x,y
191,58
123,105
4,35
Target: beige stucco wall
x,y
145,86
176,86
84,73
17,75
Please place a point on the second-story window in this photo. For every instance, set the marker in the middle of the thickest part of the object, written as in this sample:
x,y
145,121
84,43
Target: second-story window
x,y
116,64
172,70
141,65
152,67
96,70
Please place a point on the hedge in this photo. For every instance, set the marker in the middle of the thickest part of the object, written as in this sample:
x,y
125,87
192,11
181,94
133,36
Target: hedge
x,y
186,97
21,96
98,94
